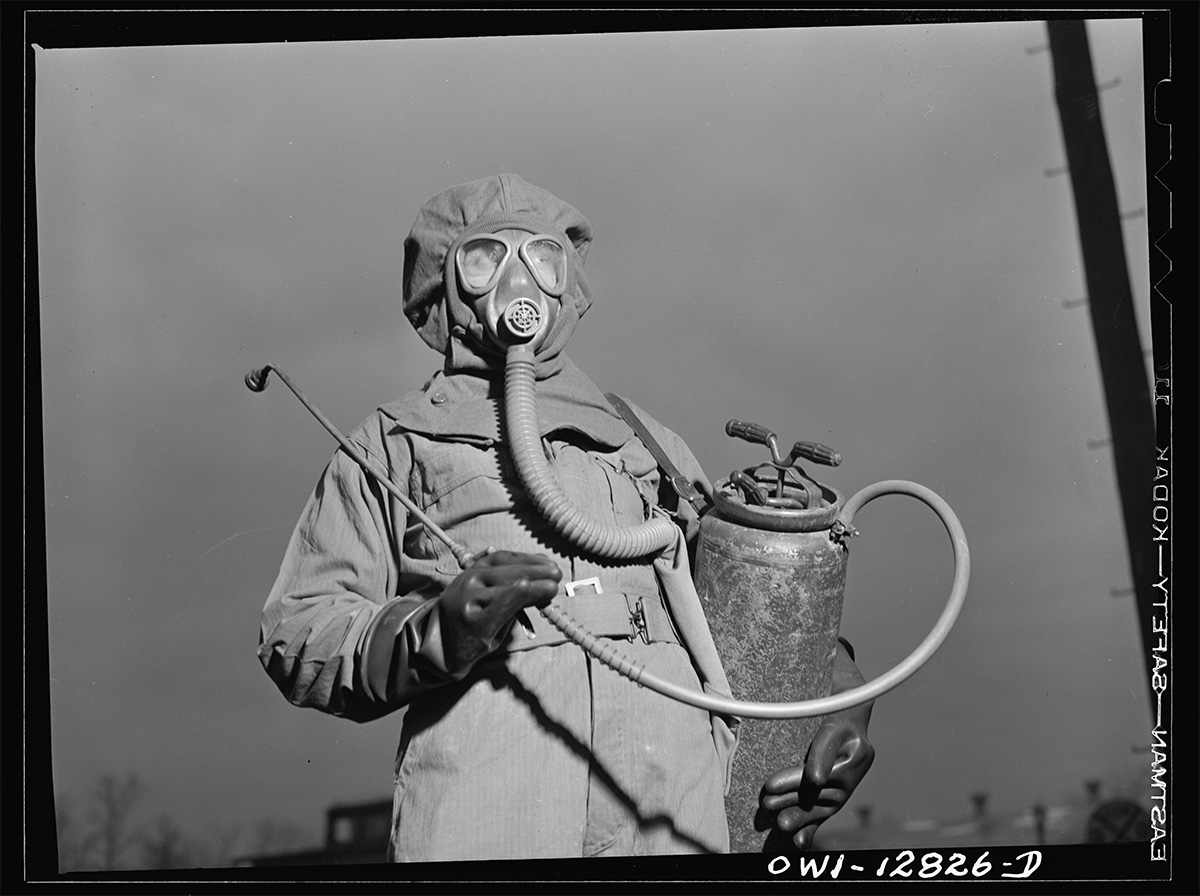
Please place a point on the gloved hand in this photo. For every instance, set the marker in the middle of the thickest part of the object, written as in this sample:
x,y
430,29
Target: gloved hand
x,y
416,644
478,607
837,760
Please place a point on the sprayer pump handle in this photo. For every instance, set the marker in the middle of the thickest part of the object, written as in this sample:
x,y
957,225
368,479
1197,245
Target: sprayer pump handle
x,y
816,452
751,432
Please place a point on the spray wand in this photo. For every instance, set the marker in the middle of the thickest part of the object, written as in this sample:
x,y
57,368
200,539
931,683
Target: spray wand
x,y
649,533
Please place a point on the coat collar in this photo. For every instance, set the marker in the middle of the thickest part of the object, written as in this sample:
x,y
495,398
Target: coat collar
x,y
468,406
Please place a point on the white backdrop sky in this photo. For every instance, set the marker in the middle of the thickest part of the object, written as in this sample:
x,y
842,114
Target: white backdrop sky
x,y
844,234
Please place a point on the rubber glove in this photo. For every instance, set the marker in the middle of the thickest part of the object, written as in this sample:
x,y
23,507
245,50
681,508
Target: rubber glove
x,y
478,607
417,644
838,759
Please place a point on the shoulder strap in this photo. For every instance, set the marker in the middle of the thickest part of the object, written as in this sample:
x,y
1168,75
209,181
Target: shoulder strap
x,y
682,485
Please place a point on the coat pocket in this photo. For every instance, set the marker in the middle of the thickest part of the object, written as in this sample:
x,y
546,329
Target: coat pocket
x,y
469,490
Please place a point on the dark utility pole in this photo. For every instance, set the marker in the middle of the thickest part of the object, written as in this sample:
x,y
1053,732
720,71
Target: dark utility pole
x,y
1110,299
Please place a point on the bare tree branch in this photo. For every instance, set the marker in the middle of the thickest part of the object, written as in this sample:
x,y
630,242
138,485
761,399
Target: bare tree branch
x,y
165,847
113,803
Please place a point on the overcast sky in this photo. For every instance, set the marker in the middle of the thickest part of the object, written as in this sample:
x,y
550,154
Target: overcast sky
x,y
844,234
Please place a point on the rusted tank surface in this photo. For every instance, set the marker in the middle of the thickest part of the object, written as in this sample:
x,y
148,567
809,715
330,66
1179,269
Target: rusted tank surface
x,y
773,597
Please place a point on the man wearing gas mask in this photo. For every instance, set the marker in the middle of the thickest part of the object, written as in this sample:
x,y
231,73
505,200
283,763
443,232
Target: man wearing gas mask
x,y
515,743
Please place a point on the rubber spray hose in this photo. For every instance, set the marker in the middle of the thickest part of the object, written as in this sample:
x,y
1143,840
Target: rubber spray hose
x,y
803,709
645,534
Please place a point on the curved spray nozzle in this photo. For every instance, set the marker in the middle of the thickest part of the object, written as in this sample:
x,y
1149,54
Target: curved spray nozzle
x,y
256,381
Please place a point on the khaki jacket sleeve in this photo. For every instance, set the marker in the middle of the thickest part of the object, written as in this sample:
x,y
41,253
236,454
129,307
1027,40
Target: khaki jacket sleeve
x,y
340,570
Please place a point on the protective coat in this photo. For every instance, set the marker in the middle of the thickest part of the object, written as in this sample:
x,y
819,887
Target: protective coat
x,y
355,550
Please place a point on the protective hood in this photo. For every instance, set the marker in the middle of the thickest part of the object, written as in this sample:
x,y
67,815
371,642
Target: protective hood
x,y
431,298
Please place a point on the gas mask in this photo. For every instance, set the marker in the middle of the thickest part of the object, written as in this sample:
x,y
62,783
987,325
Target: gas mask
x,y
513,280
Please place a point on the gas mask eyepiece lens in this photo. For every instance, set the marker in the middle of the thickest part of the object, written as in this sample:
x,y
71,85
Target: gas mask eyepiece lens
x,y
547,260
481,262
